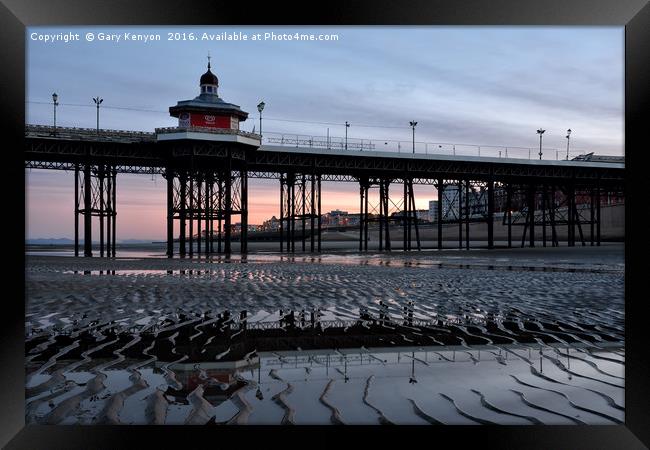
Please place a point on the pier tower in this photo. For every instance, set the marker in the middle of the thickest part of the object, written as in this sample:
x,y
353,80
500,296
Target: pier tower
x,y
206,172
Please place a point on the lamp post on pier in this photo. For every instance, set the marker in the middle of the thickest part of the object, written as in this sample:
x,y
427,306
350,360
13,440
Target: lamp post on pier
x,y
98,101
260,108
347,125
413,123
55,103
540,132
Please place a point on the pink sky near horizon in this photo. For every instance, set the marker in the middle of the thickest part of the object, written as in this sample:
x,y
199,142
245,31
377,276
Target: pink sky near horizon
x,y
141,204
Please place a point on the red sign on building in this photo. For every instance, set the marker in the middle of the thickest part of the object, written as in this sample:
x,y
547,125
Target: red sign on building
x,y
210,121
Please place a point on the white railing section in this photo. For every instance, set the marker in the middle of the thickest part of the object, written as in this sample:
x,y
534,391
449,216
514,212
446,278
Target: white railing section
x,y
270,138
166,130
420,148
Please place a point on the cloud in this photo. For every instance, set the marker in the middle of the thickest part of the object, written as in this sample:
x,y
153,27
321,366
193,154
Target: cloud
x,y
472,85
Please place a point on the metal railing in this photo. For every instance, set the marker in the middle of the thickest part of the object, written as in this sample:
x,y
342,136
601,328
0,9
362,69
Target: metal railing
x,y
420,148
88,134
167,130
324,142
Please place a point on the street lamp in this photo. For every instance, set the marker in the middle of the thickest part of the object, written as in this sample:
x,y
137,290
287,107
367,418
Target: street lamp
x,y
413,123
347,125
98,101
540,132
568,133
55,102
260,108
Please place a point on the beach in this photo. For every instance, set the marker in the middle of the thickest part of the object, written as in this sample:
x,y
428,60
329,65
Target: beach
x,y
510,336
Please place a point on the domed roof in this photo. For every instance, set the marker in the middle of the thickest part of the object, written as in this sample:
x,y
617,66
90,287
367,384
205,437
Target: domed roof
x,y
209,78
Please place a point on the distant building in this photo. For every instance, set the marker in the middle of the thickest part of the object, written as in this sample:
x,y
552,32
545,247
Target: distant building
x,y
422,215
352,220
273,224
433,210
335,218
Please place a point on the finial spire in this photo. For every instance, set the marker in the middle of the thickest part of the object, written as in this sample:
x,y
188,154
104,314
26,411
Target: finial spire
x,y
208,59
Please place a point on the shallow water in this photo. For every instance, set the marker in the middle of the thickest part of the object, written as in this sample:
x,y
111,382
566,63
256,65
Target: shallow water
x,y
330,339
408,386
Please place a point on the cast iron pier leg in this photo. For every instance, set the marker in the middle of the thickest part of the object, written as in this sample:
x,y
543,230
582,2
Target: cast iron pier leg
x,y
76,209
467,213
460,214
102,211
243,237
88,235
490,214
319,214
228,210
114,210
531,211
440,194
170,212
282,184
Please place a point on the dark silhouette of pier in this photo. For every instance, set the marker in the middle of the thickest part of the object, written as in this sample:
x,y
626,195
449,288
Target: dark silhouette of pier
x,y
207,173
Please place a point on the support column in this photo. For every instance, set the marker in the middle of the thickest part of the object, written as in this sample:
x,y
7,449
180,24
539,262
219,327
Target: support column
x,y
88,249
578,222
543,215
551,205
282,184
303,212
467,213
220,215
381,215
207,212
243,236
170,212
199,203
100,179
592,217
109,211
509,213
292,213
440,196
490,213
598,213
319,213
531,212
460,214
212,212
412,216
405,217
570,215
114,211
366,216
191,214
76,209
386,209
228,209
415,218
312,238
361,215
183,214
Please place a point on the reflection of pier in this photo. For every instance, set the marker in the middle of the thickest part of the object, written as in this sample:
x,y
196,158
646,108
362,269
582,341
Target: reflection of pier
x,y
222,339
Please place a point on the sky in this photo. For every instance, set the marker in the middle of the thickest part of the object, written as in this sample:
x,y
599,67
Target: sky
x,y
487,86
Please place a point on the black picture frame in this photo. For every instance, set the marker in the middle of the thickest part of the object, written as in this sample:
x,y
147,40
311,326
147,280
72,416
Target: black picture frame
x,y
15,15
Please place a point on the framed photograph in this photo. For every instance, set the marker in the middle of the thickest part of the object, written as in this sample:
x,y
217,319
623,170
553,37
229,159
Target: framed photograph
x,y
378,215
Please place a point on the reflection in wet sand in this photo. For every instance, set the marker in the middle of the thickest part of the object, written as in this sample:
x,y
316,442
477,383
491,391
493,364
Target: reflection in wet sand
x,y
266,342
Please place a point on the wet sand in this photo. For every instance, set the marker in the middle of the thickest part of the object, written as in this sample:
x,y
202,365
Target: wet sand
x,y
504,336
